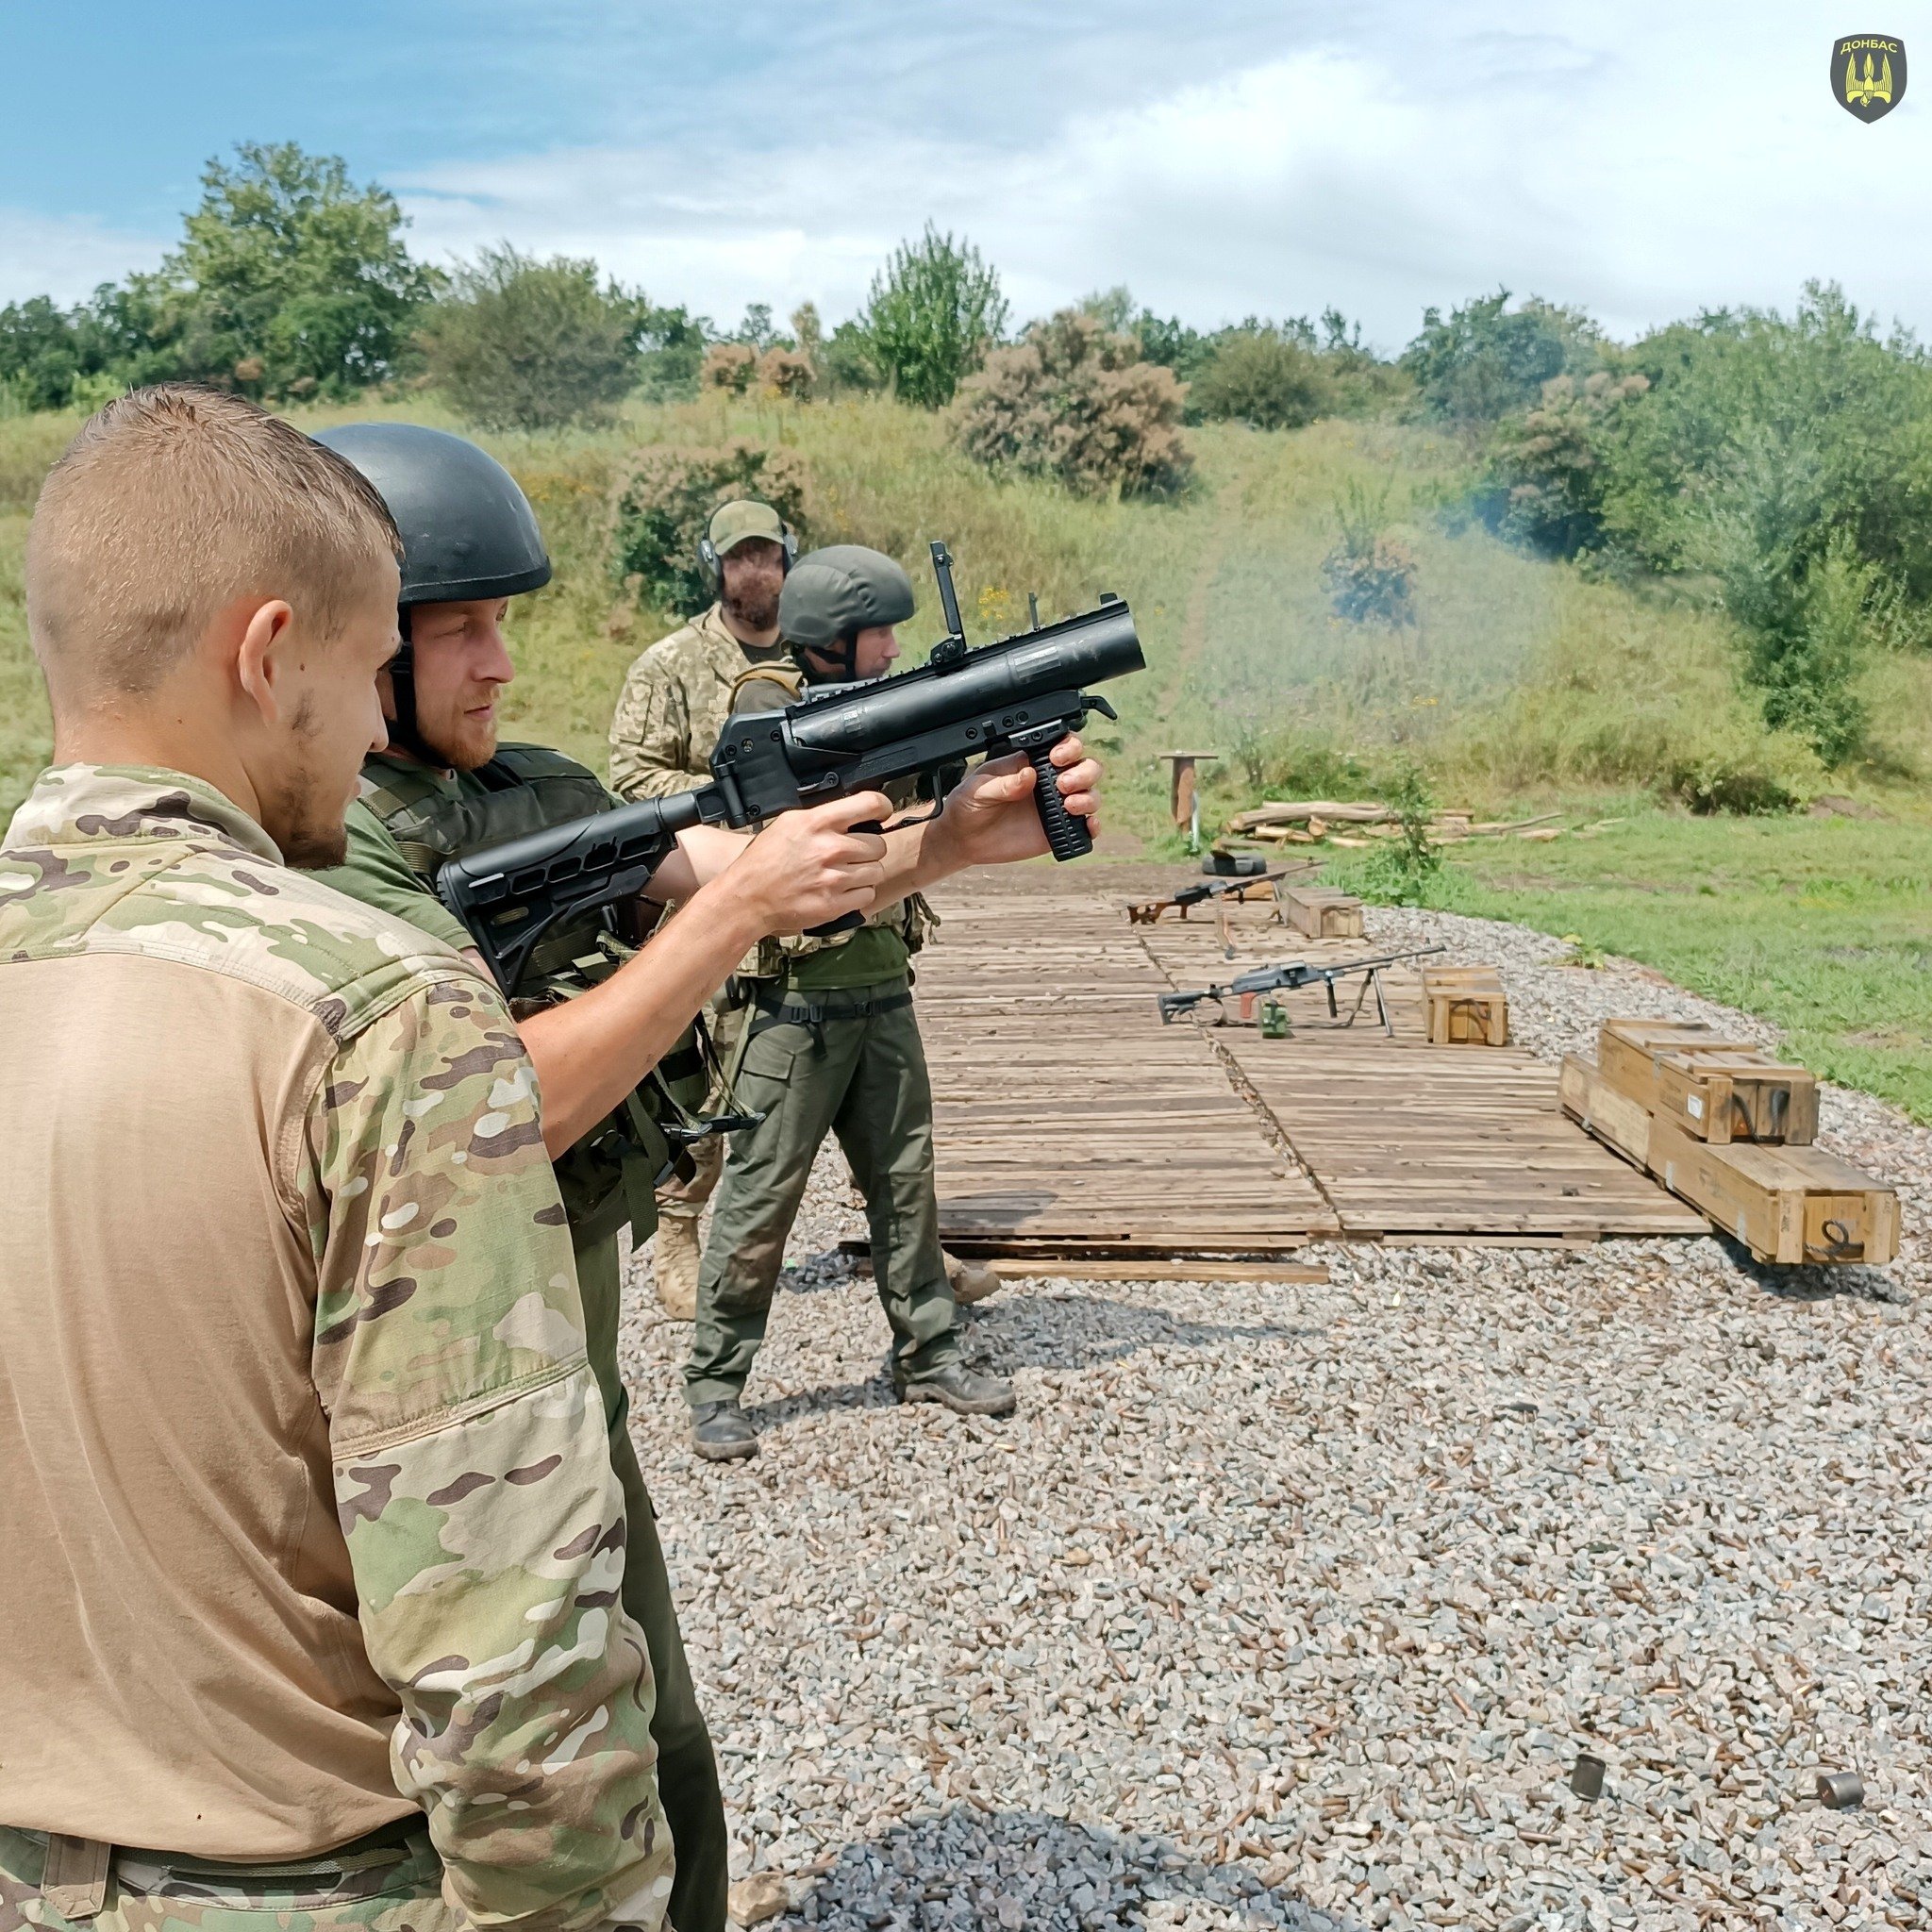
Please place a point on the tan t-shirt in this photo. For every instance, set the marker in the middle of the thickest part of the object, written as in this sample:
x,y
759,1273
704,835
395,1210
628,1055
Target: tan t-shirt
x,y
306,1502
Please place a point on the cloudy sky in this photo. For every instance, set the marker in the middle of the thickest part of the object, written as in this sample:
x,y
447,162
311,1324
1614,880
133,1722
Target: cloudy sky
x,y
1223,158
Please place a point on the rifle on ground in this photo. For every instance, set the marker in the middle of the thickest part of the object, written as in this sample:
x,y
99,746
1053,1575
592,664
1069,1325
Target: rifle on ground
x,y
1147,911
1287,978
1022,694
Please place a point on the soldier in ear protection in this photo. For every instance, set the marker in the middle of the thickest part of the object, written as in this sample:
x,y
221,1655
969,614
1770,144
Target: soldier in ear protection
x,y
674,703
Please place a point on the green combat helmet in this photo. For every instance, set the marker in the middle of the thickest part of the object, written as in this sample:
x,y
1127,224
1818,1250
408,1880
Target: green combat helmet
x,y
832,595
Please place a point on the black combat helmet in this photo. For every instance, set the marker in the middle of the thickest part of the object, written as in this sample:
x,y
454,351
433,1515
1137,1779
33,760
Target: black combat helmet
x,y
468,532
832,595
468,529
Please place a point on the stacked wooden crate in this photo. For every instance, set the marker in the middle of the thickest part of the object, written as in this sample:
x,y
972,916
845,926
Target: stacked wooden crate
x,y
1729,1129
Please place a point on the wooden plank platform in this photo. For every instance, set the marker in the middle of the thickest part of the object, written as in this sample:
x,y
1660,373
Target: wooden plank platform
x,y
1066,1114
1071,1122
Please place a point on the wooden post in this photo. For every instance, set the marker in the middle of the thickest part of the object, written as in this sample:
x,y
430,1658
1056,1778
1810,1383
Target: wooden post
x,y
1181,787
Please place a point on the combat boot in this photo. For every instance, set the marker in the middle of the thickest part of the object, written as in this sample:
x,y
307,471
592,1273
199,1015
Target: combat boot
x,y
956,1387
722,1432
971,1281
675,1266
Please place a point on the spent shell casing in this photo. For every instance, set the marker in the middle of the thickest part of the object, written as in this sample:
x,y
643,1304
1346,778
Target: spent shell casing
x,y
1840,1790
1587,1775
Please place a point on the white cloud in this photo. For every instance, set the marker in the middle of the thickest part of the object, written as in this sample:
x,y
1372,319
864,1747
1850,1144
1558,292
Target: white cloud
x,y
1640,164
1644,160
44,255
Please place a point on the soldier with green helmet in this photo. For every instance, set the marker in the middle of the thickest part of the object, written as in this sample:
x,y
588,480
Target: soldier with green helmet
x,y
675,699
829,1043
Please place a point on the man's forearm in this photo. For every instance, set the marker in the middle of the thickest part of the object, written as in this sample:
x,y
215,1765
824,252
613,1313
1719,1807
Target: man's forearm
x,y
591,1051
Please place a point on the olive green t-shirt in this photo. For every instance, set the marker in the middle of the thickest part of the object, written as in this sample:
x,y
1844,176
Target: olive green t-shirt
x,y
377,872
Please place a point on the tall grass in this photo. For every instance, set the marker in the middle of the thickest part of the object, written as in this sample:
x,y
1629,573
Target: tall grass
x,y
1518,677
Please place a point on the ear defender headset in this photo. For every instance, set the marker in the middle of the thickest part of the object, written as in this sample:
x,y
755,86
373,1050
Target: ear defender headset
x,y
712,565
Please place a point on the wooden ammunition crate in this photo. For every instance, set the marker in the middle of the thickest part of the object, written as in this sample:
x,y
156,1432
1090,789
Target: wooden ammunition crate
x,y
1321,913
1628,1050
1785,1204
1607,1111
1465,1006
1723,1097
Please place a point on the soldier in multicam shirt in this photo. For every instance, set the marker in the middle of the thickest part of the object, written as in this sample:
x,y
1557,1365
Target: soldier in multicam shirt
x,y
313,1540
674,701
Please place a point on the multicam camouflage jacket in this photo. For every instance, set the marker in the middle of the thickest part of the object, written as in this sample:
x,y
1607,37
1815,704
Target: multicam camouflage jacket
x,y
673,704
469,1536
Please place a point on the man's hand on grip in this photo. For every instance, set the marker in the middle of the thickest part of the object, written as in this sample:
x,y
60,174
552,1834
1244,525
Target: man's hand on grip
x,y
991,818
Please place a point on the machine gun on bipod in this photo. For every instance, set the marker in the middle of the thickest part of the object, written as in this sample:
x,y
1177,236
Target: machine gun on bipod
x,y
1245,989
1022,694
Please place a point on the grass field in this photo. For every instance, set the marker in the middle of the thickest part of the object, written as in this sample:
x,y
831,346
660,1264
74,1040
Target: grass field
x,y
1522,684
1821,925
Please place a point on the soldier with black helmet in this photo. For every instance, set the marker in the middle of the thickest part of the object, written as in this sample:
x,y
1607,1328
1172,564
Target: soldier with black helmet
x,y
610,1033
445,786
829,1043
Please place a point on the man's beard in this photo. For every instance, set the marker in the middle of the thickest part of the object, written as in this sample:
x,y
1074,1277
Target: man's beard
x,y
303,818
308,826
754,609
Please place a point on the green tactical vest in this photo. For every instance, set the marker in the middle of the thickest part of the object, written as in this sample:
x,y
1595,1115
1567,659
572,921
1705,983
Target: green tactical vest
x,y
610,1176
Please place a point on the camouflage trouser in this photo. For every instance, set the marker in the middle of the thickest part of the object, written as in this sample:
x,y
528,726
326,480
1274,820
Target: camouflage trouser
x,y
389,1888
685,1200
850,1063
687,1771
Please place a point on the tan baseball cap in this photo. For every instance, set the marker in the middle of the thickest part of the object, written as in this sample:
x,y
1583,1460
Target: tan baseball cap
x,y
733,523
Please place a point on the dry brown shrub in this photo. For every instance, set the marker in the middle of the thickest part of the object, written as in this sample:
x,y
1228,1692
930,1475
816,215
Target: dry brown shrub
x,y
787,373
662,502
1077,403
729,366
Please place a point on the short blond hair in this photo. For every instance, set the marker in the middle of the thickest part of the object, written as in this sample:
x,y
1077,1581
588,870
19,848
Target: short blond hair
x,y
171,501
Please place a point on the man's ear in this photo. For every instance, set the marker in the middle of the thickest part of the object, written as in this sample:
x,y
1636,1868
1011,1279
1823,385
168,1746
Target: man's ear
x,y
261,659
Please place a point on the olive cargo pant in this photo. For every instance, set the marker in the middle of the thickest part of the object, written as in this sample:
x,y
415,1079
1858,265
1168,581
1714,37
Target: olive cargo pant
x,y
687,1771
367,1886
848,1063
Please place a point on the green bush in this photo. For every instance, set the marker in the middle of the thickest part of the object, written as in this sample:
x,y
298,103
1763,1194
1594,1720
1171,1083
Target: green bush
x,y
663,501
1076,404
935,310
1398,872
528,344
1488,358
1263,378
1549,468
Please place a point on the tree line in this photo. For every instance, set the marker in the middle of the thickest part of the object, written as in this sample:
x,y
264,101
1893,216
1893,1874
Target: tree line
x,y
1779,465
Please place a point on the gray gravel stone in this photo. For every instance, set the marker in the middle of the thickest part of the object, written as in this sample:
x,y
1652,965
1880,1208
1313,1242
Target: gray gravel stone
x,y
1292,1605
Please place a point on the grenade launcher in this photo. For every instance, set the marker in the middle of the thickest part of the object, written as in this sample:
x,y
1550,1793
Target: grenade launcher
x,y
1024,694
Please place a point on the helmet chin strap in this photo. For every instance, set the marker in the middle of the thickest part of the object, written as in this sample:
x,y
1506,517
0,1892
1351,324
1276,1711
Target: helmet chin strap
x,y
403,732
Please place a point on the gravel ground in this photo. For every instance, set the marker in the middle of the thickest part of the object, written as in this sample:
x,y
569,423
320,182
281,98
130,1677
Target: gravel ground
x,y
1292,1606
